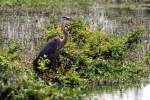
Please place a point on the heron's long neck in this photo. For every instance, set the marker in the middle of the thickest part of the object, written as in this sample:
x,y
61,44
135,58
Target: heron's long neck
x,y
65,37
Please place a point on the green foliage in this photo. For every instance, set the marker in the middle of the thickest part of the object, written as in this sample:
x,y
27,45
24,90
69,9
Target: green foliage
x,y
87,57
134,38
71,78
147,57
3,63
55,3
42,63
56,31
37,3
98,54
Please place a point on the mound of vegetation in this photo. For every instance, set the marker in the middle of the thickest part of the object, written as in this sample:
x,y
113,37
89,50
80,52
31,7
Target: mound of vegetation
x,y
88,57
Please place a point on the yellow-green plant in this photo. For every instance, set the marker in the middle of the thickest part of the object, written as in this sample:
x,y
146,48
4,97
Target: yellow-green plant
x,y
43,62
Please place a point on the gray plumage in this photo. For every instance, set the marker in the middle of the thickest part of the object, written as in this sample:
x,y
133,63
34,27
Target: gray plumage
x,y
53,47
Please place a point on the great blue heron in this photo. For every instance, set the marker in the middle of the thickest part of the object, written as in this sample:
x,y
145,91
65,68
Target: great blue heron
x,y
54,46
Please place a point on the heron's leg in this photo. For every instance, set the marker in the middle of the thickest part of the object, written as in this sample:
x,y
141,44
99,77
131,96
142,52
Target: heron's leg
x,y
53,63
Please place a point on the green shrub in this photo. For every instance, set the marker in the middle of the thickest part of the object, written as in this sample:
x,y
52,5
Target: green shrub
x,y
42,63
147,58
134,38
87,57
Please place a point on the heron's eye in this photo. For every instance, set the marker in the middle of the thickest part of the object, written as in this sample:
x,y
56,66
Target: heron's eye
x,y
36,20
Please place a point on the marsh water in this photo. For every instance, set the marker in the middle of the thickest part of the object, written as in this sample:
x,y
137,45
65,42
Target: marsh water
x,y
27,27
132,93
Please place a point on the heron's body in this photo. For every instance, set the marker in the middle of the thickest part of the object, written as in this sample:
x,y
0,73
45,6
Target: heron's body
x,y
52,48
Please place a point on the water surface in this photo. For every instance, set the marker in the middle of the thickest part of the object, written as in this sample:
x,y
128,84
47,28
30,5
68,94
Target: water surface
x,y
133,93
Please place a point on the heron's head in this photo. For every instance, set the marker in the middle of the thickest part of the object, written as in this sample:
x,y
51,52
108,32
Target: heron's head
x,y
67,18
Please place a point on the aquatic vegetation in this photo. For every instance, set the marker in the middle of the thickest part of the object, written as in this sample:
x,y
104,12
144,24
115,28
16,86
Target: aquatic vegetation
x,y
99,55
88,58
47,2
147,56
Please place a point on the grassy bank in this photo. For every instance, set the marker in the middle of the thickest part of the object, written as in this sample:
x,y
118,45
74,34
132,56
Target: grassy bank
x,y
59,5
41,3
94,58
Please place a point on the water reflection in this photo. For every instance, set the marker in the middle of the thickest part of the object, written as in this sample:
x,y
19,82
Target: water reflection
x,y
129,94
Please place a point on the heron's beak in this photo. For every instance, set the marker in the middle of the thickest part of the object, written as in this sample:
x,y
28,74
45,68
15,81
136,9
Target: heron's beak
x,y
67,18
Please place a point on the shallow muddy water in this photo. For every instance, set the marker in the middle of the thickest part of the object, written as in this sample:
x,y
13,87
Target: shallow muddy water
x,y
134,93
